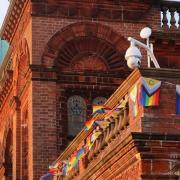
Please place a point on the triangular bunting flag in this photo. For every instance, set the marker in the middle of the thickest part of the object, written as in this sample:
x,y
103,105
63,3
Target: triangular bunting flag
x,y
100,109
103,123
133,105
134,101
89,123
95,135
150,85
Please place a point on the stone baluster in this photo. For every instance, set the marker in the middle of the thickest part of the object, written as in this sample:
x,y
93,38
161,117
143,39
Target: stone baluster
x,y
107,134
104,143
124,120
173,20
164,19
121,115
96,149
116,131
126,115
91,153
99,145
112,127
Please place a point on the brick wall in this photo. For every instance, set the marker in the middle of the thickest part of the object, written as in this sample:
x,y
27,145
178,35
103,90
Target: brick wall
x,y
43,125
45,28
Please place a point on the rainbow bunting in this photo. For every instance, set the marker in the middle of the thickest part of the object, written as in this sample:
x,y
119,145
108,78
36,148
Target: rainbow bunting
x,y
80,153
100,109
73,160
150,92
178,99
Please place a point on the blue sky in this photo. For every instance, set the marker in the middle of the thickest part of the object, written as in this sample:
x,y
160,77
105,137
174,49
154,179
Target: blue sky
x,y
3,8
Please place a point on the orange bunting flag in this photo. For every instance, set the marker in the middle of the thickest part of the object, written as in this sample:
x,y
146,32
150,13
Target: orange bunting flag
x,y
89,123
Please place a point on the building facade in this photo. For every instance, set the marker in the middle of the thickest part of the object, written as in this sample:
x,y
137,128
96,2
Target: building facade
x,y
65,56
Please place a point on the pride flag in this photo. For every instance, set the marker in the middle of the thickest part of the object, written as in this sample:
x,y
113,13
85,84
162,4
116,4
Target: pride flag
x,y
178,99
150,92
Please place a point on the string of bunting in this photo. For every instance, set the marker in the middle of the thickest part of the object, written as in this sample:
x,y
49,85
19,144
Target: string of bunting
x,y
145,93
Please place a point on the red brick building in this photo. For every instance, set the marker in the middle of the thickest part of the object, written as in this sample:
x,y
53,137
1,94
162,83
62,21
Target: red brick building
x,y
65,56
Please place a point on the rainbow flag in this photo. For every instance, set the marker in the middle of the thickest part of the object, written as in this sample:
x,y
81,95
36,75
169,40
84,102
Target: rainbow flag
x,y
100,109
89,123
150,92
178,99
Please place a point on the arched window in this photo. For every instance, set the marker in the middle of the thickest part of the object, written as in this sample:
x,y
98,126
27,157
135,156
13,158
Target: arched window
x,y
99,101
76,115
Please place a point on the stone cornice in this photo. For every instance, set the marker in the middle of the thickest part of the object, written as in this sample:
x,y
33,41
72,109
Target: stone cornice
x,y
127,145
93,9
161,73
167,37
12,19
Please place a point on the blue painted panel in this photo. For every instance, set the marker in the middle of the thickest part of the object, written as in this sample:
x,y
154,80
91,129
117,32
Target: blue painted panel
x,y
3,49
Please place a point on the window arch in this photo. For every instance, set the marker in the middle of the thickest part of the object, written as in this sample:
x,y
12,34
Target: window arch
x,y
76,106
99,100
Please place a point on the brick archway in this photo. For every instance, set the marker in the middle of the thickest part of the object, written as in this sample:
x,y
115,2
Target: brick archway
x,y
85,37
